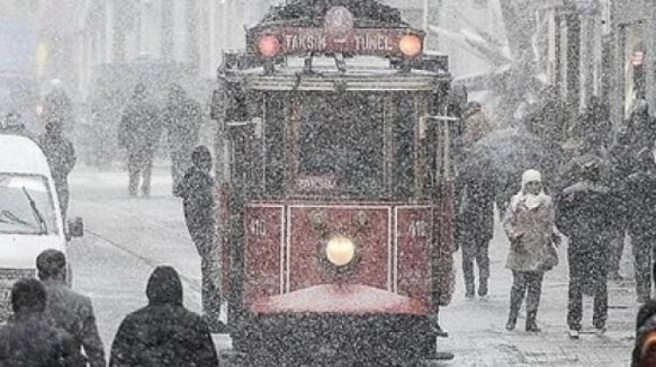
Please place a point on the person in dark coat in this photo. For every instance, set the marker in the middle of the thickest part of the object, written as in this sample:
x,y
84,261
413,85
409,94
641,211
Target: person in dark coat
x,y
196,189
641,220
164,333
69,310
474,231
182,120
641,127
139,133
584,215
29,340
57,105
60,153
644,351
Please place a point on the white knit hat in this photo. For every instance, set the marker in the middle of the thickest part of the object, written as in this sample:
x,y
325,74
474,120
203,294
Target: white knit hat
x,y
531,175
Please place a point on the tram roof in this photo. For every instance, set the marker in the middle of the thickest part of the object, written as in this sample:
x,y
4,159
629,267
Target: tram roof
x,y
361,73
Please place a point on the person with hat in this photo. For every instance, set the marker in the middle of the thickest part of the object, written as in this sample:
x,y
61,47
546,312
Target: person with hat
x,y
641,220
529,225
584,215
69,310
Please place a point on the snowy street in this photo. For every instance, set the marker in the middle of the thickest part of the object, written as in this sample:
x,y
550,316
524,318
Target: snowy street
x,y
126,238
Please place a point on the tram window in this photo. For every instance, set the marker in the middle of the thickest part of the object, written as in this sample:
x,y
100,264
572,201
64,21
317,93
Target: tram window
x,y
404,136
341,145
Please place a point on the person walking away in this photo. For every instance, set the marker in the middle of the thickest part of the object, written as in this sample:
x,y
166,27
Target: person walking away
x,y
641,224
529,225
60,153
57,105
164,333
585,216
475,228
69,310
182,120
139,133
29,340
196,189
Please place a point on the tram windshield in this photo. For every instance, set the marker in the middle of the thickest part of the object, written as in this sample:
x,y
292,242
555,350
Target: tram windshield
x,y
340,143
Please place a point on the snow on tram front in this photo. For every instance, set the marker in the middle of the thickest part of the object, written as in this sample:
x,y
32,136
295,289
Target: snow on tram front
x,y
335,199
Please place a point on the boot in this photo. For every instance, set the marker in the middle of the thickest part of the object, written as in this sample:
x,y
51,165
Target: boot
x,y
531,324
436,328
482,288
512,320
470,290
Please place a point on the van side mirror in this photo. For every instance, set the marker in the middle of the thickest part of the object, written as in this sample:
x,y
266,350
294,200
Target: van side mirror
x,y
76,227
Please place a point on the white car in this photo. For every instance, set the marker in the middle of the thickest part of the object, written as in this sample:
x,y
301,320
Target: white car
x,y
30,218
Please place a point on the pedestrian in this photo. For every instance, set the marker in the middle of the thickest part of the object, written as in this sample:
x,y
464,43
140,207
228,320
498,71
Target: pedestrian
x,y
14,125
139,133
29,340
641,220
182,120
474,231
529,225
641,126
69,310
60,153
164,333
476,126
57,105
644,351
585,216
196,189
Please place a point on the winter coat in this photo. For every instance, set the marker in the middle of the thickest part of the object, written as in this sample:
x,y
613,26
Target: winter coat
x,y
140,129
475,212
57,105
74,313
197,192
163,333
60,154
585,214
641,203
31,341
530,232
183,122
476,127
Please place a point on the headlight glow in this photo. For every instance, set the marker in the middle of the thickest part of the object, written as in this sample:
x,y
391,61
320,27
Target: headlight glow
x,y
340,250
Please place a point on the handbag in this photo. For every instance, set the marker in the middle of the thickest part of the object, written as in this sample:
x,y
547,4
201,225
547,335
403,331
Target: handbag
x,y
550,258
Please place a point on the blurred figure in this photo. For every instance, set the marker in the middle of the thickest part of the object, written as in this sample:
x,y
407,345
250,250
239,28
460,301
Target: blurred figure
x,y
530,228
164,333
196,189
641,223
61,157
13,125
139,133
474,231
57,106
182,119
644,352
641,127
70,311
476,124
585,217
29,340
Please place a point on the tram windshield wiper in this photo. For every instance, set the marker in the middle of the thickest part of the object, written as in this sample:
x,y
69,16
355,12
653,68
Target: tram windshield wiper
x,y
37,213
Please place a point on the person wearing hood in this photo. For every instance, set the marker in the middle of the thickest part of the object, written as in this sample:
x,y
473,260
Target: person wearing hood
x,y
196,189
60,153
529,225
164,333
641,220
139,133
585,216
644,351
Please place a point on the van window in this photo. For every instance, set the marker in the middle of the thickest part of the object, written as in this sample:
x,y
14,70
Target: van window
x,y
26,205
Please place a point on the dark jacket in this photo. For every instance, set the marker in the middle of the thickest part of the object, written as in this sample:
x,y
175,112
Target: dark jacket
x,y
74,313
197,192
31,341
475,211
163,333
140,129
641,203
584,213
60,154
182,121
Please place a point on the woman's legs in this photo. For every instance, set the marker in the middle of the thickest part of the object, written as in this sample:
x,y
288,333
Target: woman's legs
x,y
517,292
533,299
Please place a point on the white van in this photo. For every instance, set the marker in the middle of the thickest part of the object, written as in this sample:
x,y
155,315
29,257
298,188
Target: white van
x,y
30,218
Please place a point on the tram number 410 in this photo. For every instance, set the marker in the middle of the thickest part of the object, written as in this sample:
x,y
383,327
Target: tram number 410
x,y
418,229
258,227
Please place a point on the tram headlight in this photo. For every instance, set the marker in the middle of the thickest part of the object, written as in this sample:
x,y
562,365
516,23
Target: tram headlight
x,y
410,45
340,250
268,46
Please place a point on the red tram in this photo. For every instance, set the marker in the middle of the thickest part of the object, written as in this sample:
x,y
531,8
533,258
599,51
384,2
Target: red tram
x,y
335,212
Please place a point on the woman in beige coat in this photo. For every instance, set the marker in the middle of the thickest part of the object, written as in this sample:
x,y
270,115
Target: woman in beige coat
x,y
529,225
